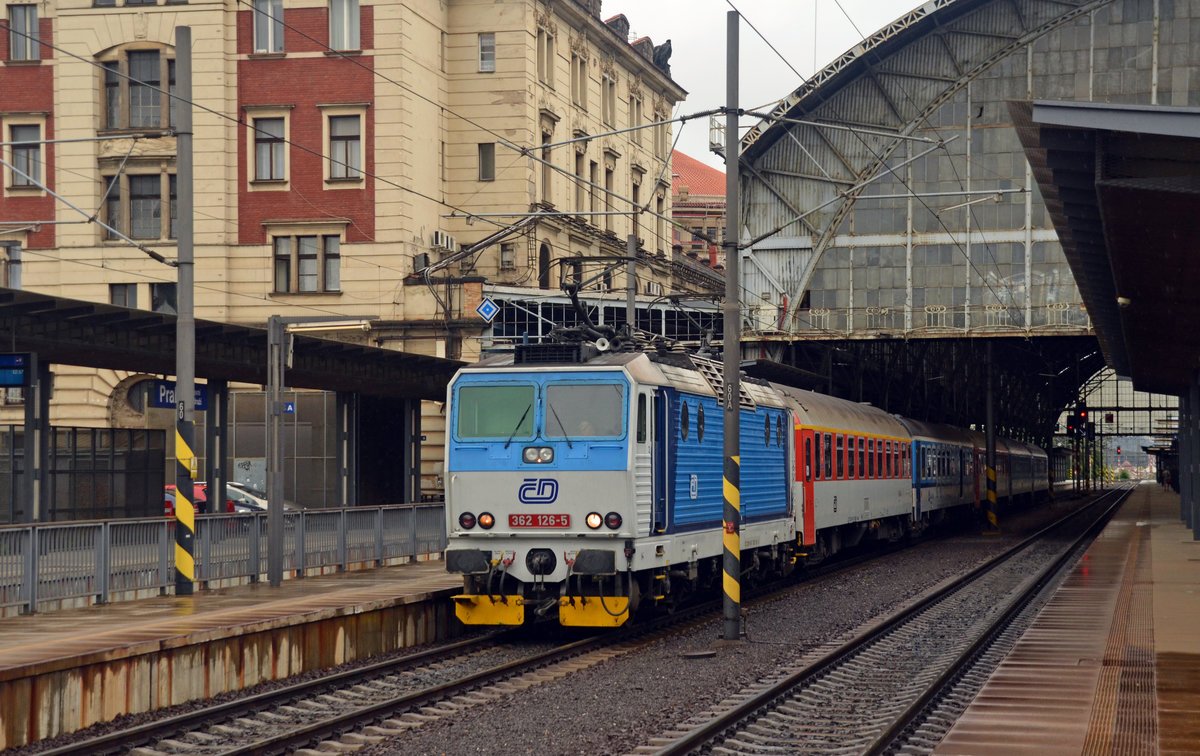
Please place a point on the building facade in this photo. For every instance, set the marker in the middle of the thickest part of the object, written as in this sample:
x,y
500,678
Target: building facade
x,y
349,159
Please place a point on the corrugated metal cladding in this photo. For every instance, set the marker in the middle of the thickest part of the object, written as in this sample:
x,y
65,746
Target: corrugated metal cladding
x,y
924,219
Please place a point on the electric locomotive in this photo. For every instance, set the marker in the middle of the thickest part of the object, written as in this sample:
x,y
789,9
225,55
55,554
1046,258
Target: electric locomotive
x,y
583,488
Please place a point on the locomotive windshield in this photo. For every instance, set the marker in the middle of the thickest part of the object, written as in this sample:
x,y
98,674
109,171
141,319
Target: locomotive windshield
x,y
575,410
495,411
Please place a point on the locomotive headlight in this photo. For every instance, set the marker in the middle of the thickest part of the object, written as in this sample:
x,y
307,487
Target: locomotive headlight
x,y
594,520
613,520
486,521
466,520
538,455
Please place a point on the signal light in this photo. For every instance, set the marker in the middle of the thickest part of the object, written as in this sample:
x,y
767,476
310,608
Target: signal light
x,y
466,520
1118,450
1083,414
486,521
594,520
613,520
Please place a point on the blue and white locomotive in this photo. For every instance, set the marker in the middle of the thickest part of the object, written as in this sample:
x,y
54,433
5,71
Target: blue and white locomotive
x,y
582,489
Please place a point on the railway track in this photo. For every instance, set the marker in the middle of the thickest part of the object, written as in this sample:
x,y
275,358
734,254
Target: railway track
x,y
901,683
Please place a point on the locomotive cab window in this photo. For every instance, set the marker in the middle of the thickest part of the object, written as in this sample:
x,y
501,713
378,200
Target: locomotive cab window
x,y
495,411
584,410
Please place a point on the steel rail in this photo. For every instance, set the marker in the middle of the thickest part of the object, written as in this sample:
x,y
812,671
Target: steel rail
x,y
699,737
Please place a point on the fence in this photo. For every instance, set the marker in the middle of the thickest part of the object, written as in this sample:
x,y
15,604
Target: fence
x,y
108,560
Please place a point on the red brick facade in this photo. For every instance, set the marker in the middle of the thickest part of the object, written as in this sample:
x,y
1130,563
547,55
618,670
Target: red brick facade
x,y
29,88
302,84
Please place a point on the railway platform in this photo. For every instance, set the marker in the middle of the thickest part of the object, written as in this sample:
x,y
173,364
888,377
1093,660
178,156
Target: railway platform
x,y
61,671
1112,663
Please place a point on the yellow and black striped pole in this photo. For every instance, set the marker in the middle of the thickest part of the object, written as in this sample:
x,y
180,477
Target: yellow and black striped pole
x,y
731,560
185,508
732,363
185,326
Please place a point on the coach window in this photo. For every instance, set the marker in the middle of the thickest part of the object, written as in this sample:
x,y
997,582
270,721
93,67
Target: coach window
x,y
888,456
879,457
828,448
840,455
851,443
683,421
870,458
808,459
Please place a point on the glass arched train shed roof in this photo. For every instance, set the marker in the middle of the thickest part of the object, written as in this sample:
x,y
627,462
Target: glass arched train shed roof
x,y
889,197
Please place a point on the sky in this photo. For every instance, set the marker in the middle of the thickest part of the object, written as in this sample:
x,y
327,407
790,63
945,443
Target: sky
x,y
807,33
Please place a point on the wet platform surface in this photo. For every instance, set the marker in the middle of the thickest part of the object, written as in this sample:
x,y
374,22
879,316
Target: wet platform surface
x,y
1112,664
62,636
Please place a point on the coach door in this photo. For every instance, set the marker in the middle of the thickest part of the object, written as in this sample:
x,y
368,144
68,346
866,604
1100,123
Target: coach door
x,y
658,440
806,468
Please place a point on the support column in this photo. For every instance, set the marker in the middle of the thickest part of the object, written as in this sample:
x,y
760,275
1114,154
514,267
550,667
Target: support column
x,y
1193,457
185,327
347,448
1183,439
993,524
217,466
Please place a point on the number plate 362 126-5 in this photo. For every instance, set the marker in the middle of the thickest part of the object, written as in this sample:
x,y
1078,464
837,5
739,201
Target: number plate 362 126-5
x,y
539,520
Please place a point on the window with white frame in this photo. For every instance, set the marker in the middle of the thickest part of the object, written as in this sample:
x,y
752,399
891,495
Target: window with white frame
x,y
345,147
25,154
268,26
487,161
635,118
134,92
344,25
660,137
487,52
307,263
23,33
545,56
270,150
141,205
10,265
608,99
579,80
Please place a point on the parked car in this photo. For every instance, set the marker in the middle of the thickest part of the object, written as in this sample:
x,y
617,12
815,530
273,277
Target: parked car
x,y
199,496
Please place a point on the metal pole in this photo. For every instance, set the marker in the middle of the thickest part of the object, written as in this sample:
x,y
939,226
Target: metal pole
x,y
276,333
733,347
631,281
990,442
185,328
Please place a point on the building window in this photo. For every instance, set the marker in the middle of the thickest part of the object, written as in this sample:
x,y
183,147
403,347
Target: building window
x,y
307,263
580,187
579,80
547,169
136,102
635,118
269,149
23,33
268,26
487,161
163,298
122,294
608,99
487,52
10,266
660,138
660,212
345,147
545,57
343,24
608,198
26,155
133,205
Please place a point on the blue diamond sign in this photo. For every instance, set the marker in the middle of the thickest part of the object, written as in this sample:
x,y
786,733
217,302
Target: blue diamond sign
x,y
487,309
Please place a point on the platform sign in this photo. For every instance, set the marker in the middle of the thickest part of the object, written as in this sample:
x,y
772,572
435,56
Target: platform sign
x,y
487,309
163,395
13,369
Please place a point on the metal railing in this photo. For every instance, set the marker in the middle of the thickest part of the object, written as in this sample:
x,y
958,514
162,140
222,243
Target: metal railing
x,y
109,560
